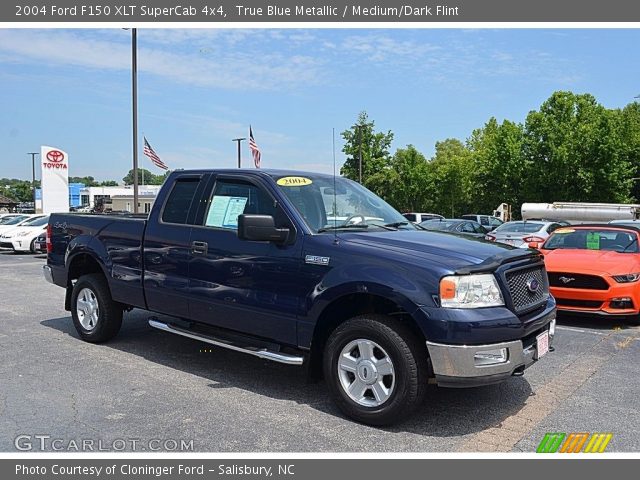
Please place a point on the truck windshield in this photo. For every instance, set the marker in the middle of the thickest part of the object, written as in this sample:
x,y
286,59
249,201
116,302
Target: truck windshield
x,y
346,206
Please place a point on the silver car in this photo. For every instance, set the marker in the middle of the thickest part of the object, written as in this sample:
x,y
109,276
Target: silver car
x,y
520,233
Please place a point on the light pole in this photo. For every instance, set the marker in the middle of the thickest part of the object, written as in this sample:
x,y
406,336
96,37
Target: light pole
x,y
239,140
134,100
33,177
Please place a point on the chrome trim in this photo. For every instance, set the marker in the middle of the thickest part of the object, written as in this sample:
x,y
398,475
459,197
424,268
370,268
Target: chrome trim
x,y
48,273
265,354
458,360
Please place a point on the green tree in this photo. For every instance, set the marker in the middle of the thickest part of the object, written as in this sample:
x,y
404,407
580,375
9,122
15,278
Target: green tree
x,y
144,174
574,151
406,182
88,181
374,145
109,183
452,169
499,166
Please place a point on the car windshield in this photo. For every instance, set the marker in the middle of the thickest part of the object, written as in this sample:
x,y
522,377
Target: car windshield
x,y
12,220
519,227
348,205
617,240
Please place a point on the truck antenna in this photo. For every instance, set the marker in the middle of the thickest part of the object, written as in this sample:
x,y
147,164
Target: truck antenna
x,y
335,200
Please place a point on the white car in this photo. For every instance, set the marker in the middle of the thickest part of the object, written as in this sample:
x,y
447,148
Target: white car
x,y
521,233
9,223
23,237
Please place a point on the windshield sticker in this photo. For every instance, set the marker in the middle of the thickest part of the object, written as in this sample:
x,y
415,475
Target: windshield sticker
x,y
294,181
224,211
564,230
593,241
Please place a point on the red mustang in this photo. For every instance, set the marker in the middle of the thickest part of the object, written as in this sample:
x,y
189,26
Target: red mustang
x,y
594,269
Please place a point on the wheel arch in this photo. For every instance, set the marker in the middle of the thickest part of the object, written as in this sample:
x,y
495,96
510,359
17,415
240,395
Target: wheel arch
x,y
348,305
82,263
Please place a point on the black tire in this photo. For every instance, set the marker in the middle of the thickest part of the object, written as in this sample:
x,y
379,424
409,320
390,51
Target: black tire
x,y
408,354
32,247
109,315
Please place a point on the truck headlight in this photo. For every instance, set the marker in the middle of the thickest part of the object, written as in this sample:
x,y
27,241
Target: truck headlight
x,y
470,291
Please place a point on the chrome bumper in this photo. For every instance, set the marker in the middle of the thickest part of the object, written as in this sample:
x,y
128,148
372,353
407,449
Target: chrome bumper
x,y
457,365
48,274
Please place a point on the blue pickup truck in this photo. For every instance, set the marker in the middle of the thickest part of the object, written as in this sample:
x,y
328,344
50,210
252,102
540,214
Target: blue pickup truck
x,y
309,269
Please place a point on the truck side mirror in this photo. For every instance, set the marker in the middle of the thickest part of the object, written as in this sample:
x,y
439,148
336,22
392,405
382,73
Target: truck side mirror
x,y
260,228
535,245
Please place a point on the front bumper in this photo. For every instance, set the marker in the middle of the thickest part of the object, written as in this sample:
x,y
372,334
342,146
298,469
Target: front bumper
x,y
456,365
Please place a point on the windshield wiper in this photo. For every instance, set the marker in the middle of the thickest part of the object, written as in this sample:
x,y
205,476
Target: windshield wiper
x,y
395,224
344,227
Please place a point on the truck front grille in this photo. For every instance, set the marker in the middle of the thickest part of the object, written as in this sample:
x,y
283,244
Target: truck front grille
x,y
522,288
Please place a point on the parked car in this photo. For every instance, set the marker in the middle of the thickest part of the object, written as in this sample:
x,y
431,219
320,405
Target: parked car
x,y
23,237
626,223
595,269
18,222
40,244
420,217
7,217
456,225
521,233
247,260
487,221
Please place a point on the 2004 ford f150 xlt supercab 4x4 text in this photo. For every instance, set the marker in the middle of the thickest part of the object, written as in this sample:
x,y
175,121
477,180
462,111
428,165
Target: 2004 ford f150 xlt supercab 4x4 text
x,y
308,269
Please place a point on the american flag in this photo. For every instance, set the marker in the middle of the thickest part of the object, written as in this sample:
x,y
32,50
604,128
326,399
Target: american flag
x,y
148,151
255,151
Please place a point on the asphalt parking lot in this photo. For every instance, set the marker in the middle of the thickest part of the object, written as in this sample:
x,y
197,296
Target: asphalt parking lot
x,y
149,385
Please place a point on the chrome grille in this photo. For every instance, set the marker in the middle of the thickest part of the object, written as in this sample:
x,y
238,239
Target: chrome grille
x,y
522,297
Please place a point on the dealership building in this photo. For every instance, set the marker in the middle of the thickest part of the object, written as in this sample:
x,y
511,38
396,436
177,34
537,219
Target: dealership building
x,y
119,198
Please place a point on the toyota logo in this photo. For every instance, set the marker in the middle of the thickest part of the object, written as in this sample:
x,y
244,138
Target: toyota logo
x,y
533,285
55,156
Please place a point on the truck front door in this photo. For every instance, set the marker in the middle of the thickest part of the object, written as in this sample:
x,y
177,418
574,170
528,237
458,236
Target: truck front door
x,y
242,285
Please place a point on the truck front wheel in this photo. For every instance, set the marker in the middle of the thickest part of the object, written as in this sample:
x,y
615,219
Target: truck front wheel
x,y
376,369
96,316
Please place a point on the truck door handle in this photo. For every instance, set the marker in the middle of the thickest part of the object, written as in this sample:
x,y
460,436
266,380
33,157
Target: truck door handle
x,y
199,248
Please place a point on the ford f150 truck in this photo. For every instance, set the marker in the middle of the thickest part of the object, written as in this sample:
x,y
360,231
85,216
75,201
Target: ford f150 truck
x,y
309,269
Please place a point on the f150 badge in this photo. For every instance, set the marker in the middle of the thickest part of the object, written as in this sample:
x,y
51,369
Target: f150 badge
x,y
316,260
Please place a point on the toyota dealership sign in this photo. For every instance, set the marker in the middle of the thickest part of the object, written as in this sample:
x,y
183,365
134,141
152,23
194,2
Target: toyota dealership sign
x,y
55,180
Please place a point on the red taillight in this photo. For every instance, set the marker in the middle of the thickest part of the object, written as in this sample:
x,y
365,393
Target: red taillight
x,y
533,239
49,244
491,238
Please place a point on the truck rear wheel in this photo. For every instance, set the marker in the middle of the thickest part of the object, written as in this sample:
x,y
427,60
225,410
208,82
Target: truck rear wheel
x,y
96,316
376,369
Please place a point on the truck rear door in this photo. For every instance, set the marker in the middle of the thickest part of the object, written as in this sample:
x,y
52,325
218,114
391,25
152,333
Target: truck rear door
x,y
167,246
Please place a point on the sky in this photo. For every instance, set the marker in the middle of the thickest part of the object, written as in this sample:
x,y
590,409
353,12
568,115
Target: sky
x,y
200,88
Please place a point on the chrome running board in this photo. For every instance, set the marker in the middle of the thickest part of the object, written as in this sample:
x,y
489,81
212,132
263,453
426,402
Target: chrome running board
x,y
256,352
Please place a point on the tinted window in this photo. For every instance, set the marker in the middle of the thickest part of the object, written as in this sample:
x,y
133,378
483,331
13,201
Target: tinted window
x,y
467,228
176,209
478,228
484,220
520,227
410,216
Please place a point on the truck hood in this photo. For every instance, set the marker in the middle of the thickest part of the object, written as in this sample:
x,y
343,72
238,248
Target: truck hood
x,y
591,261
459,253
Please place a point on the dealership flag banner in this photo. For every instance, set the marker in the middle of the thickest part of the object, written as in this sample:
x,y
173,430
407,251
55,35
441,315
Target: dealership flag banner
x,y
55,179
